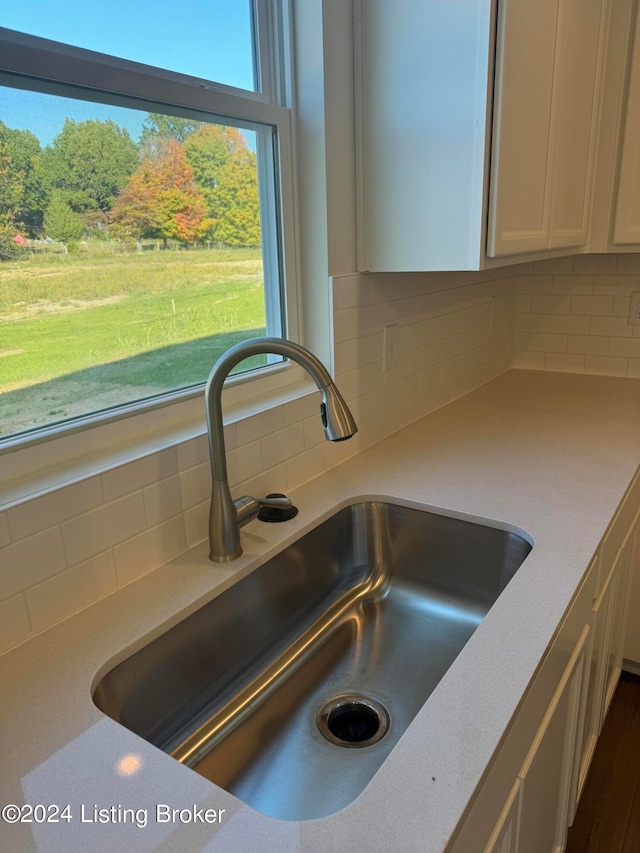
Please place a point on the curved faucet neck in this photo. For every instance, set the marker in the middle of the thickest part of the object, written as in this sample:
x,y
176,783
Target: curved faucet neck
x,y
224,366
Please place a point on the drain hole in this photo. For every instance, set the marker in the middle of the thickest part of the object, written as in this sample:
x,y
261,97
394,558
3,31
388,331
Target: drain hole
x,y
352,720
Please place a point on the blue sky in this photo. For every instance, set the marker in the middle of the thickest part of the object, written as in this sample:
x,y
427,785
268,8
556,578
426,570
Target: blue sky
x,y
204,38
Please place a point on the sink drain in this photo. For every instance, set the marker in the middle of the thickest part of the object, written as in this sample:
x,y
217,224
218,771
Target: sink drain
x,y
353,720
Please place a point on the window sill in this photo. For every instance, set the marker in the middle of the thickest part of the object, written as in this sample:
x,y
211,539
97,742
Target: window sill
x,y
100,446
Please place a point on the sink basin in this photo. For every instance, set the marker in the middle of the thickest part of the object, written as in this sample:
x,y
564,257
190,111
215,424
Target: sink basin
x,y
291,687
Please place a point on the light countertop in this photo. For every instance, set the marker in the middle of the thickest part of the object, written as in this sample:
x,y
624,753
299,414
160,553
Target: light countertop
x,y
549,453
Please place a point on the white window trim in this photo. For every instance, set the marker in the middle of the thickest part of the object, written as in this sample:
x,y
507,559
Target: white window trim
x,y
98,442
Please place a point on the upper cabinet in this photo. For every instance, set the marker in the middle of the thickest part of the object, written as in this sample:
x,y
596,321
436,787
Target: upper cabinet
x,y
464,163
626,228
544,125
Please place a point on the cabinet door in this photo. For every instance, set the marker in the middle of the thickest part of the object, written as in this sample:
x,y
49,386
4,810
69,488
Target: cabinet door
x,y
617,618
632,644
545,121
572,131
546,774
627,215
593,705
504,838
519,188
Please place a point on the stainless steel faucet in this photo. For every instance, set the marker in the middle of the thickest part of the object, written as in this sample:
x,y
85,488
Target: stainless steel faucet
x,y
227,516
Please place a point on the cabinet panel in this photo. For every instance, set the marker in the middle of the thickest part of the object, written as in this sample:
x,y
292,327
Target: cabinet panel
x,y
545,122
627,215
547,772
593,704
572,136
422,72
519,195
504,838
617,618
632,642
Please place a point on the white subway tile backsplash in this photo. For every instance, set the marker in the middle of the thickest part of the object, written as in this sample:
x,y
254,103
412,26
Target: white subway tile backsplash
x,y
14,623
30,561
306,465
628,264
5,539
196,450
533,323
282,445
351,291
528,360
29,517
594,264
244,462
92,532
587,345
554,266
142,472
535,284
370,319
625,347
71,591
313,432
610,327
592,305
253,428
599,338
547,343
616,285
621,306
548,304
173,495
567,324
605,366
572,284
304,407
150,549
564,362
196,524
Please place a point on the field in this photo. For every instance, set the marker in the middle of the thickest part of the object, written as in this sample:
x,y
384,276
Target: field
x,y
82,332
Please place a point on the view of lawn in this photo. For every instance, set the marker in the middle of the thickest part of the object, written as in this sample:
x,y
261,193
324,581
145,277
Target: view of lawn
x,y
81,332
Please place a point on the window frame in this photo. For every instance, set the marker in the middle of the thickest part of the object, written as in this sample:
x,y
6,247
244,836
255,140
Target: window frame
x,y
33,62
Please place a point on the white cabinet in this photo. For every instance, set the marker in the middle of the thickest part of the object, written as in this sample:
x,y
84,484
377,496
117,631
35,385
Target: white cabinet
x,y
632,640
547,772
504,838
531,791
545,121
424,108
627,213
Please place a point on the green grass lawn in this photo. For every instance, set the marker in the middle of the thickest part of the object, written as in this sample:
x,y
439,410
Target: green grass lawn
x,y
84,332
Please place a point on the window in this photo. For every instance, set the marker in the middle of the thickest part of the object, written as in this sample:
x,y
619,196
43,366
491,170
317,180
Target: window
x,y
141,210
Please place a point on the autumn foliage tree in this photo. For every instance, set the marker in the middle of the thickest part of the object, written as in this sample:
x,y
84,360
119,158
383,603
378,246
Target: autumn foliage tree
x,y
226,172
161,198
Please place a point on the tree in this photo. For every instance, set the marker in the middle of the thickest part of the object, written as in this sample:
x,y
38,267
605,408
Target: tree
x,y
157,126
28,196
60,221
237,203
226,172
161,199
91,161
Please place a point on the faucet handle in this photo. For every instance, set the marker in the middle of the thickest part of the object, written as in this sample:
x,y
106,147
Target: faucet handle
x,y
275,507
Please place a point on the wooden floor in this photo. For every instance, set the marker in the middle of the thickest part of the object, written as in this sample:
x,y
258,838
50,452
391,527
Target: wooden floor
x,y
608,818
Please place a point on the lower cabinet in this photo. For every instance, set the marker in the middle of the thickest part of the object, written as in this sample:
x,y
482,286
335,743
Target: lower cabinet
x,y
534,819
538,774
547,773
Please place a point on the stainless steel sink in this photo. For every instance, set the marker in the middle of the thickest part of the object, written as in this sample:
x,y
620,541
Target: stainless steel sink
x,y
291,687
